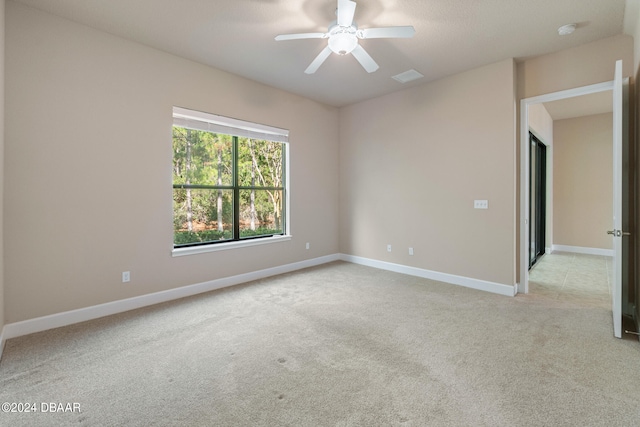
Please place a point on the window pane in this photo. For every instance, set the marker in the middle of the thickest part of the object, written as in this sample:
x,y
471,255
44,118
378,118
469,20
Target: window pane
x,y
259,163
228,183
260,213
201,158
202,215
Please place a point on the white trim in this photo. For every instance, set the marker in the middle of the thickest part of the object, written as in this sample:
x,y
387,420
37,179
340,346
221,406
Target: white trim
x,y
191,250
468,282
208,122
524,166
2,335
44,323
570,93
270,132
582,250
523,280
39,324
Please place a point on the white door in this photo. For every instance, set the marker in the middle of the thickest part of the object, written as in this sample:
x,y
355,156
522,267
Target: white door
x,y
617,233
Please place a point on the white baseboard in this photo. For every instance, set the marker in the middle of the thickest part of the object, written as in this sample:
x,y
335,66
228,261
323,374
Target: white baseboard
x,y
582,250
39,324
57,320
1,341
637,320
483,285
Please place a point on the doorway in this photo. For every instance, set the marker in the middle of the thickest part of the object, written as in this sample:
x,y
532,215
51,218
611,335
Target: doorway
x,y
525,218
623,210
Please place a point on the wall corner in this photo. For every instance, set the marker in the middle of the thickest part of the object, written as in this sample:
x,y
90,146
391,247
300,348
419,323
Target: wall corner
x,y
2,113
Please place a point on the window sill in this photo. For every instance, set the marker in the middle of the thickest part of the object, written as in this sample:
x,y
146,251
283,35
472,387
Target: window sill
x,y
192,250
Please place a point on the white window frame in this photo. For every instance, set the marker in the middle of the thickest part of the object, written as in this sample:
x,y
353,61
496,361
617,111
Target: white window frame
x,y
219,124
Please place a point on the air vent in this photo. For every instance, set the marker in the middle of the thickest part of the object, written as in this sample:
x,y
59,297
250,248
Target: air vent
x,y
407,76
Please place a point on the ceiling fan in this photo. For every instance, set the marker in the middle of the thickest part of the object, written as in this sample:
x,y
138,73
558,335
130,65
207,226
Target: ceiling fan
x,y
343,35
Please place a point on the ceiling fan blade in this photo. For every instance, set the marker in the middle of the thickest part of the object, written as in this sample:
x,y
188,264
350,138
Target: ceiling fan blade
x,y
313,67
346,10
300,36
387,32
364,59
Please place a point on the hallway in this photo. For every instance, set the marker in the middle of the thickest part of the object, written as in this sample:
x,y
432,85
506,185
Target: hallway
x,y
572,277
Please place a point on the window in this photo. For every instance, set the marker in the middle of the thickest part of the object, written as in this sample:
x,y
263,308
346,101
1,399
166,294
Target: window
x,y
229,179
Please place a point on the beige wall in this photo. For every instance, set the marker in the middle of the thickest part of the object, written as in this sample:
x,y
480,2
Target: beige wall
x,y
580,66
412,164
541,123
88,171
632,28
583,181
2,180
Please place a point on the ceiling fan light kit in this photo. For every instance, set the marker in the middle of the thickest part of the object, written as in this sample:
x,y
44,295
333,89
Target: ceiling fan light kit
x,y
343,35
342,41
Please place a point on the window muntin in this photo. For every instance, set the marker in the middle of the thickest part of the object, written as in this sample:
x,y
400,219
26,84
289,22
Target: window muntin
x,y
226,187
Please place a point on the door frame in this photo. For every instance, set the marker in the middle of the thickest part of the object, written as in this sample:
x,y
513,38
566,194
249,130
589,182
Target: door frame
x,y
523,280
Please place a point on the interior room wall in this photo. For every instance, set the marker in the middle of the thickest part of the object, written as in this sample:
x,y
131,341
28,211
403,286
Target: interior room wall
x,y
541,124
583,65
583,181
88,171
2,26
412,164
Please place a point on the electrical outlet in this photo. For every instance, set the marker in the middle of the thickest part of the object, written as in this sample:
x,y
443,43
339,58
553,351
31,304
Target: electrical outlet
x,y
388,248
307,245
126,276
410,251
481,204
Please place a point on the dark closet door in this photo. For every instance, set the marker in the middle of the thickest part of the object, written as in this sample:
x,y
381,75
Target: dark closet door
x,y
537,198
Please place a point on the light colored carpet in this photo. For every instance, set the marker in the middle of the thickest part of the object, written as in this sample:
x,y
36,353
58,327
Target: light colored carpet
x,y
335,345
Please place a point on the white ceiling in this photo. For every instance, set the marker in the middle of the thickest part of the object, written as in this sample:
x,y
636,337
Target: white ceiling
x,y
451,36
